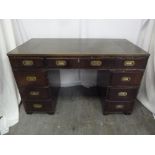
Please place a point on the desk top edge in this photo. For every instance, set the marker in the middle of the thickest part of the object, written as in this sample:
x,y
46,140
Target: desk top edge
x,y
77,47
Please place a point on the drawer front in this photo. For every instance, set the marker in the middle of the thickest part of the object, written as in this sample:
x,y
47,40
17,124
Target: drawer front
x,y
131,62
26,62
35,93
39,106
106,62
120,94
117,106
31,78
125,78
62,62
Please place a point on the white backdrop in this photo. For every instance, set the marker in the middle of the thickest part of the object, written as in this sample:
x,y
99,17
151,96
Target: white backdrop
x,y
9,96
146,40
26,29
80,28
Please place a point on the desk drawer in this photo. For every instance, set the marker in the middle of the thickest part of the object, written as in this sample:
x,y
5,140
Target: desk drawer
x,y
31,78
126,78
117,106
26,62
40,106
106,62
62,62
35,92
121,94
131,62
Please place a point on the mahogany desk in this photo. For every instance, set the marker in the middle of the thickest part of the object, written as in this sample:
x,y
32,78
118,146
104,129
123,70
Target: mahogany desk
x,y
119,63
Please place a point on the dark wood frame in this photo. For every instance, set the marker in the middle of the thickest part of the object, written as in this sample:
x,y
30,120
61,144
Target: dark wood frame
x,y
121,71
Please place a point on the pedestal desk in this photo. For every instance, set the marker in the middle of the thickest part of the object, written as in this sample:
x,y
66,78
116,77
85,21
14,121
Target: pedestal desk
x,y
120,66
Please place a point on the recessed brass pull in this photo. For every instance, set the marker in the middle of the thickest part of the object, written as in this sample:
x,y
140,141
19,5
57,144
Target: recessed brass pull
x,y
122,93
31,78
96,63
61,63
119,106
27,62
125,79
129,63
38,106
34,93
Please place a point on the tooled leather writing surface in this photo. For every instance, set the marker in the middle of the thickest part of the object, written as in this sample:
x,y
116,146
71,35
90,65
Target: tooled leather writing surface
x,y
73,47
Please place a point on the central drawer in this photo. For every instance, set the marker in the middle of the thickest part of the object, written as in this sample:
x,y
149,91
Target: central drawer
x,y
64,62
31,78
81,62
97,62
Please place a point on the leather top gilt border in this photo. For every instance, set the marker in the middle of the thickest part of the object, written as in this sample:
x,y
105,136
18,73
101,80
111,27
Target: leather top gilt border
x,y
77,47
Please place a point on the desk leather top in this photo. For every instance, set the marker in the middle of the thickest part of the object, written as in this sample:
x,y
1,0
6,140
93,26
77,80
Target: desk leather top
x,y
76,47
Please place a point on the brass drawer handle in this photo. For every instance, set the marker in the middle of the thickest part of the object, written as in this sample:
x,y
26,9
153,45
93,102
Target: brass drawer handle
x,y
38,106
122,93
31,78
27,62
96,63
34,93
129,63
61,63
119,106
126,79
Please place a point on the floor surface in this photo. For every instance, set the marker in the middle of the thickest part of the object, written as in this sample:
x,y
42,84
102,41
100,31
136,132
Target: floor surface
x,y
79,113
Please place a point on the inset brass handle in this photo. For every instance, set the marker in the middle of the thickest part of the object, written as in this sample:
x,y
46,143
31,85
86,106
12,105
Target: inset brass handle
x,y
27,62
31,78
129,63
34,93
96,63
61,63
38,106
119,106
125,79
122,93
